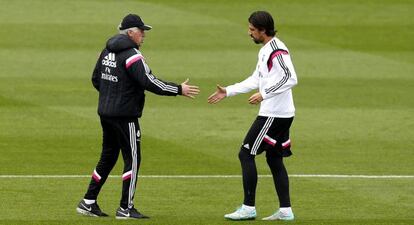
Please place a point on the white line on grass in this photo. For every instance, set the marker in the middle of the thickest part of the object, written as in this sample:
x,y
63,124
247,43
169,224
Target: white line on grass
x,y
223,176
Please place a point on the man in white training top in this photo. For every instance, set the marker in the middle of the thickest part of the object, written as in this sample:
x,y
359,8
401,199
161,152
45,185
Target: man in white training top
x,y
274,78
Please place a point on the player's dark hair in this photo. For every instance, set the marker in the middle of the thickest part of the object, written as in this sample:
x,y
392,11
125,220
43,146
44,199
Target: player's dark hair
x,y
262,20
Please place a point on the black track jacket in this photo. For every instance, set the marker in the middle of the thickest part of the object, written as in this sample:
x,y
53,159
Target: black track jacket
x,y
121,76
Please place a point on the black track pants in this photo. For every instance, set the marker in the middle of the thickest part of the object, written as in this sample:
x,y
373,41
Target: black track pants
x,y
118,134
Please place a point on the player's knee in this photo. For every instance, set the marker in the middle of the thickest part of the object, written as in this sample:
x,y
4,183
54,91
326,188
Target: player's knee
x,y
273,159
269,160
244,155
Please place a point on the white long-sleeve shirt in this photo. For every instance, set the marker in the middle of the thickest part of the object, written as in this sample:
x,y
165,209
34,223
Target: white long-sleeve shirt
x,y
274,76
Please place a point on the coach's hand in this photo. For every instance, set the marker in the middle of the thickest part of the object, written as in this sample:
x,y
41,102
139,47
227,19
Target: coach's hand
x,y
218,95
189,90
256,98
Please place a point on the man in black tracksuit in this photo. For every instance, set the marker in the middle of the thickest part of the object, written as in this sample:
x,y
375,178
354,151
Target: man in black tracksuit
x,y
121,77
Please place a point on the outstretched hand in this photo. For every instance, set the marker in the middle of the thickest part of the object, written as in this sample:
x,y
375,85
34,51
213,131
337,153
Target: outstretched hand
x,y
218,95
189,90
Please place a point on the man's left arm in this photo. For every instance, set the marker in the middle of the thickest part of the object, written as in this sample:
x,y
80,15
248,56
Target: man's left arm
x,y
282,76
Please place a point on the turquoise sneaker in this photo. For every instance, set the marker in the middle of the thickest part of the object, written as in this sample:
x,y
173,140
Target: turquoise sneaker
x,y
279,215
242,213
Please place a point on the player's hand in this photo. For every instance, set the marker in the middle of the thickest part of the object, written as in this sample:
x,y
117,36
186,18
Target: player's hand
x,y
189,90
256,98
218,95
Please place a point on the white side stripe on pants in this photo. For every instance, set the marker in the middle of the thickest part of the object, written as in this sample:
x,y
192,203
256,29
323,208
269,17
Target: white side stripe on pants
x,y
261,135
133,143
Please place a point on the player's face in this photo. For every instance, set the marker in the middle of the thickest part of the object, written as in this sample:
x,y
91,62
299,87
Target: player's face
x,y
256,35
137,35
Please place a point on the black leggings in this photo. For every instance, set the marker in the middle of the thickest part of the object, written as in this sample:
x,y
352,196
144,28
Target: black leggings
x,y
280,177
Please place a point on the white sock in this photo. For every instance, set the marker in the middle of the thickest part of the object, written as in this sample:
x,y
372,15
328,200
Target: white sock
x,y
89,201
248,207
286,210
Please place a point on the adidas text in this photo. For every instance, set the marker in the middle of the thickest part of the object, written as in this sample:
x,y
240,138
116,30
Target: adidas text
x,y
109,60
109,63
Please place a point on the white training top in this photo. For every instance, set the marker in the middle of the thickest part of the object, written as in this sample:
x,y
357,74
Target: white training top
x,y
274,76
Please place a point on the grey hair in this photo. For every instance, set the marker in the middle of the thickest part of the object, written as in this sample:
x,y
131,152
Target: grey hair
x,y
125,32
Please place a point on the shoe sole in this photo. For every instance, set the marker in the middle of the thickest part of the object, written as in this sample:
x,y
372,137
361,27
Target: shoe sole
x,y
284,219
130,218
242,219
85,212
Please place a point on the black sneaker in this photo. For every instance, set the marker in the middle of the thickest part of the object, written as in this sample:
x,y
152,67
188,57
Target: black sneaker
x,y
129,214
90,209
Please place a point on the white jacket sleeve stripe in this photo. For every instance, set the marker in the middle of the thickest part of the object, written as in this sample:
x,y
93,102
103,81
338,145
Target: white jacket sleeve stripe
x,y
161,85
158,83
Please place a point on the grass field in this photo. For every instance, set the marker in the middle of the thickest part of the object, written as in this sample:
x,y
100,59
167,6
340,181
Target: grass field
x,y
354,100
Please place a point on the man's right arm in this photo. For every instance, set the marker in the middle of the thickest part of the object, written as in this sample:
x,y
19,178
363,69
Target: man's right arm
x,y
249,84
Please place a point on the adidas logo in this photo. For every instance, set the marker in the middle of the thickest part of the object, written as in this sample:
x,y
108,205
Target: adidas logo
x,y
246,146
109,60
110,56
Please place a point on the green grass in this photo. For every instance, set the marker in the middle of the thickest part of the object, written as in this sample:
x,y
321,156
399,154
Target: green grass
x,y
355,65
181,203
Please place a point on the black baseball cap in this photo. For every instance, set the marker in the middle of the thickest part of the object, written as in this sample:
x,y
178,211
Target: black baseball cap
x,y
133,20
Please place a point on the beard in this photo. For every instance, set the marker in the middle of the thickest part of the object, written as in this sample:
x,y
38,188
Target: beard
x,y
255,40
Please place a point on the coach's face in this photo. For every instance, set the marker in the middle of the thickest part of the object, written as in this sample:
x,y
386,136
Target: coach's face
x,y
137,35
256,34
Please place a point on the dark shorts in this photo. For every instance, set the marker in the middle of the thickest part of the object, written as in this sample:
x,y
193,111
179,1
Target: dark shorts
x,y
270,134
